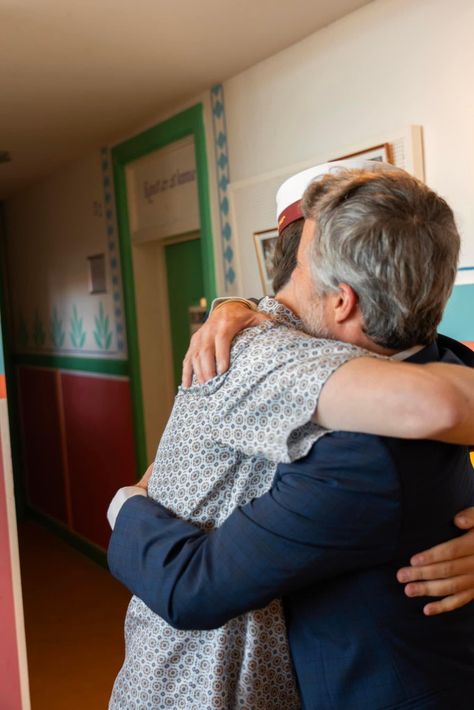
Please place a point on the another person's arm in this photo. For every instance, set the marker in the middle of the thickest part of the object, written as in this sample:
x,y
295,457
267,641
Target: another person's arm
x,y
400,399
315,523
447,569
356,394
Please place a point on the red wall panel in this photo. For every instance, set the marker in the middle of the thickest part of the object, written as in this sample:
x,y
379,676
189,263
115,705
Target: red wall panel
x,y
100,449
40,420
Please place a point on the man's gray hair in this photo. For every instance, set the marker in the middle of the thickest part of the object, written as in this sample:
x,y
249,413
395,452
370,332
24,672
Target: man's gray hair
x,y
394,241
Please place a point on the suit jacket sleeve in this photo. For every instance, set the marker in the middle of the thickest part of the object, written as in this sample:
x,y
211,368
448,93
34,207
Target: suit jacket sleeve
x,y
334,511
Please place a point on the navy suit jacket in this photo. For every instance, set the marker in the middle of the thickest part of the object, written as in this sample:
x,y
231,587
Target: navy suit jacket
x,y
328,538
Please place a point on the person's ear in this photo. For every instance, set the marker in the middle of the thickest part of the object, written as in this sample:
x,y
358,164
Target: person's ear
x,y
345,304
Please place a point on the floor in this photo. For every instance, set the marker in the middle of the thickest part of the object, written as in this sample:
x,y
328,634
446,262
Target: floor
x,y
74,612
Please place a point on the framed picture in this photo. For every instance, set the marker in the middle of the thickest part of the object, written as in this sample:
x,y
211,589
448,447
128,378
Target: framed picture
x,y
97,275
265,243
381,153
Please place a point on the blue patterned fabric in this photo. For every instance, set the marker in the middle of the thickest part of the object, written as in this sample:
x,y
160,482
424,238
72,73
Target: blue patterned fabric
x,y
220,449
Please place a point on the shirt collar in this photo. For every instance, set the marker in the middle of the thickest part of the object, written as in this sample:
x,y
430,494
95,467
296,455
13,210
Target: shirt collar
x,y
280,313
405,354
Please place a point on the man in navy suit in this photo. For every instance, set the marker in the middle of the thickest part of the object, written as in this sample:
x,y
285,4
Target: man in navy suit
x,y
375,267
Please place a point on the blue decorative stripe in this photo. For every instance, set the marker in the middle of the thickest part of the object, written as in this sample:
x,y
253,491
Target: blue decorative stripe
x,y
458,320
114,264
223,180
466,268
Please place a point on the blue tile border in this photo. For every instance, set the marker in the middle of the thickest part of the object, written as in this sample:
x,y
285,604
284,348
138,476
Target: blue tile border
x,y
458,318
223,180
113,250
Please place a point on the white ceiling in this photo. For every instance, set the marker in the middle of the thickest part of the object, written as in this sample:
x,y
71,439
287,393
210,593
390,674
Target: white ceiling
x,y
75,74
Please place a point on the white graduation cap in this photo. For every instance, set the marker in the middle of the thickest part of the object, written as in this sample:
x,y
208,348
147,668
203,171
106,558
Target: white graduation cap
x,y
290,193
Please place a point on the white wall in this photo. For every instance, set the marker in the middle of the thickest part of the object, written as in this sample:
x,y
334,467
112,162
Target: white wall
x,y
391,64
51,229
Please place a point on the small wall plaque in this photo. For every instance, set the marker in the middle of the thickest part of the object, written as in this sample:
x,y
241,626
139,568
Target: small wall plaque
x,y
97,276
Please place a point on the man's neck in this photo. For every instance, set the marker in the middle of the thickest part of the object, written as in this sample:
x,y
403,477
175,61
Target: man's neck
x,y
362,341
355,337
284,297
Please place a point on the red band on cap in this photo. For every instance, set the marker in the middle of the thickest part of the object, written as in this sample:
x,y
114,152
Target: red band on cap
x,y
290,214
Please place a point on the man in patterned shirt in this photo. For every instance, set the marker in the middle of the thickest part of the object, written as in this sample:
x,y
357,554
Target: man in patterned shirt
x,y
219,458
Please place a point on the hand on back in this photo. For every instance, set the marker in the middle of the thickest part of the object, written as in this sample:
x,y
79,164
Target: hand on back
x,y
209,350
446,570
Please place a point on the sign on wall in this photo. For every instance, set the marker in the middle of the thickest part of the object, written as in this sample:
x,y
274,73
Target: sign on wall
x,y
162,192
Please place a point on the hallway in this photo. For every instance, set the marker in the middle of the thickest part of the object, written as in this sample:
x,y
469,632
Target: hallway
x,y
74,612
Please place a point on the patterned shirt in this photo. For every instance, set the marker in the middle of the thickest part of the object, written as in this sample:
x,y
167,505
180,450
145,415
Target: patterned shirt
x,y
220,450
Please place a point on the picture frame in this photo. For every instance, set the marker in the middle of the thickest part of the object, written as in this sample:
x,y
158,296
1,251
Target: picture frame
x,y
380,153
97,273
265,244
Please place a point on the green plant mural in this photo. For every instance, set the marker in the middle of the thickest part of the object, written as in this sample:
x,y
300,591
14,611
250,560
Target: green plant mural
x,y
77,332
23,335
102,334
39,334
57,332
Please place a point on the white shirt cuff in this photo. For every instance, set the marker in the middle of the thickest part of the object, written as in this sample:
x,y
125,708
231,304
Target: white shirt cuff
x,y
122,495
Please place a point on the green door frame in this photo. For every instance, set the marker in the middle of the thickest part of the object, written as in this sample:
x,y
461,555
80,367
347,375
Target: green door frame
x,y
188,123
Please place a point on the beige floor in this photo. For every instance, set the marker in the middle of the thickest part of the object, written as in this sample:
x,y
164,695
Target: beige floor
x,y
74,613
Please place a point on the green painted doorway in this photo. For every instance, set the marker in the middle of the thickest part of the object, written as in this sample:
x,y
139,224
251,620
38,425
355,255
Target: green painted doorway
x,y
185,288
148,263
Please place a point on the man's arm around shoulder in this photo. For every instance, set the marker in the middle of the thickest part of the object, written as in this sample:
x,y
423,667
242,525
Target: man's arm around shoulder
x,y
334,511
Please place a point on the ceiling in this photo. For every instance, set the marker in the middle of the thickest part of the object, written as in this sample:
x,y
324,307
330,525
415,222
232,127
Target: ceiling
x,y
80,73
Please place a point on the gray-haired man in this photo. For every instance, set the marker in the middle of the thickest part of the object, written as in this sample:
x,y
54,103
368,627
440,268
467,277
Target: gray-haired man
x,y
336,525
